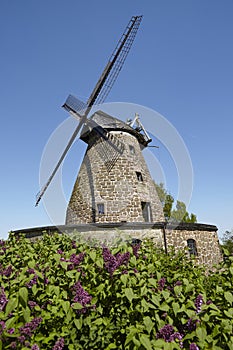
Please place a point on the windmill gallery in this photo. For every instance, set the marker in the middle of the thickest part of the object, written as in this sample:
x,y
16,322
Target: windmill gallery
x,y
114,193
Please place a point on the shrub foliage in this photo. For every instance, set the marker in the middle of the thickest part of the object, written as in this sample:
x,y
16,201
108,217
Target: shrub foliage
x,y
60,294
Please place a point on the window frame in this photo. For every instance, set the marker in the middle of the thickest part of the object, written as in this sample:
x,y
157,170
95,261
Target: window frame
x,y
99,206
132,149
192,247
146,211
139,176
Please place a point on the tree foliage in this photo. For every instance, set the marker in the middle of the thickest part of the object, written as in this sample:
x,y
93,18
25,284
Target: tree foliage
x,y
228,241
177,214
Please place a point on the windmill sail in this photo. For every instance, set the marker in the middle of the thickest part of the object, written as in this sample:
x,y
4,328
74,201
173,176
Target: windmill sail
x,y
101,89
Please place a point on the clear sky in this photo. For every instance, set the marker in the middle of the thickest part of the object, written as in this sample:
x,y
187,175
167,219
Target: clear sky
x,y
180,66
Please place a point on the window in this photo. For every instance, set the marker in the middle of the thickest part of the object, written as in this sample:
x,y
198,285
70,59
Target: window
x,y
100,208
139,176
192,246
136,241
131,149
146,211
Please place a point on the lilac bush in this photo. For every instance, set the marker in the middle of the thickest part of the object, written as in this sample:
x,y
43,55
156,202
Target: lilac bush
x,y
61,294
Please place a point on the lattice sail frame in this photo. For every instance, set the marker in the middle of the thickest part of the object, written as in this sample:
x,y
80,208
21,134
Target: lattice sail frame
x,y
100,91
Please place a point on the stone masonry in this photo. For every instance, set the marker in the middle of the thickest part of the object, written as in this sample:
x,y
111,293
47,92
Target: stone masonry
x,y
205,237
120,193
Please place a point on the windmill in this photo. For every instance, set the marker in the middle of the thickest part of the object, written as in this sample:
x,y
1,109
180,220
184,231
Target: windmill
x,y
111,143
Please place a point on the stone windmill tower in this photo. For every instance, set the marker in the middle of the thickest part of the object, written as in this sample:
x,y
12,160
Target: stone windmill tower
x,y
113,187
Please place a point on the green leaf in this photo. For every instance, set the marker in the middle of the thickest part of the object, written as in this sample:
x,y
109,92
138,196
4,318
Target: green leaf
x,y
64,264
124,279
111,346
98,321
11,305
26,314
176,307
153,282
78,323
23,294
145,341
92,254
156,300
129,294
136,342
229,297
100,263
165,294
11,321
201,333
148,323
77,306
177,290
65,306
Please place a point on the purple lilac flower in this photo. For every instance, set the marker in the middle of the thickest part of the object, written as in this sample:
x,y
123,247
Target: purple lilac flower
x,y
209,302
35,347
123,259
135,270
178,283
3,299
59,345
59,251
198,302
11,331
21,339
161,283
193,346
74,246
2,326
31,271
29,327
167,333
136,248
175,336
32,281
32,304
81,296
191,325
8,271
124,272
13,345
111,262
75,260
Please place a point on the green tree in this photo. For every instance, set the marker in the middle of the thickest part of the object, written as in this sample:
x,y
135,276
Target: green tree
x,y
179,214
228,241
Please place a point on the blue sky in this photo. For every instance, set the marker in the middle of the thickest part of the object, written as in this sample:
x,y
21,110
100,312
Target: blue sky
x,y
180,65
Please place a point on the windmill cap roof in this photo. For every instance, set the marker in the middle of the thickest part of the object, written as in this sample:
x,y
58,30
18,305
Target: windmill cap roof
x,y
111,123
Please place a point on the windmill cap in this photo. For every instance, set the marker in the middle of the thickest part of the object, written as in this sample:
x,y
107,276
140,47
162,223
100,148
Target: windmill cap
x,y
111,123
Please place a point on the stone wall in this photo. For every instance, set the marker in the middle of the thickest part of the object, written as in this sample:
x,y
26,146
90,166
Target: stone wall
x,y
205,237
165,236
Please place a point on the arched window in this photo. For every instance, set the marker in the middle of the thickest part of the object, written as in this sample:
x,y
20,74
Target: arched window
x,y
192,246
